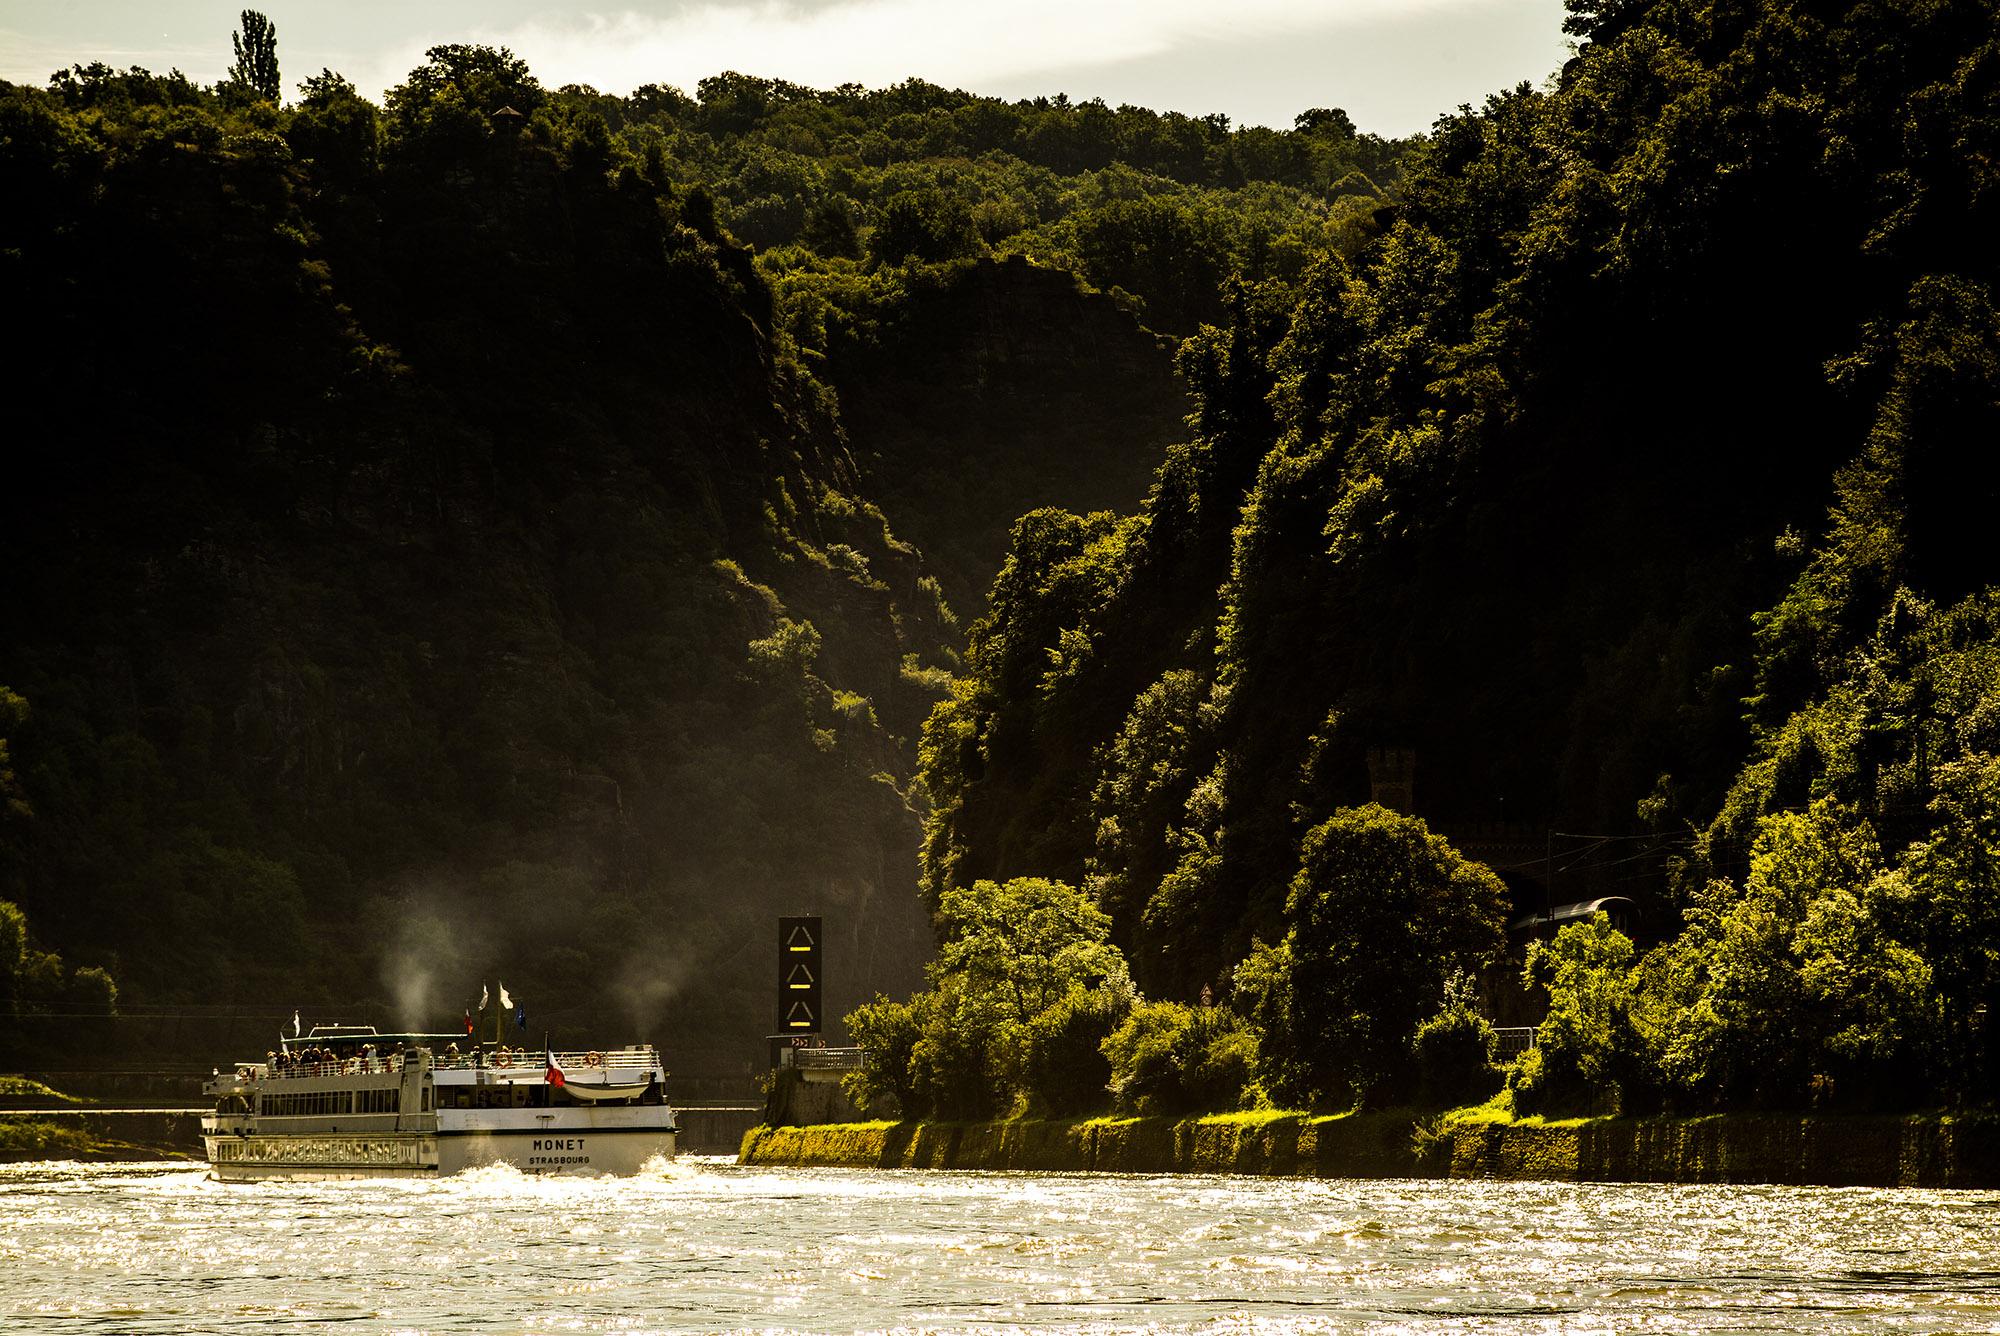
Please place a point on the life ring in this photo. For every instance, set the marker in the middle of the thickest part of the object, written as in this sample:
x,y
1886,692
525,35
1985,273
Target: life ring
x,y
593,1059
503,1058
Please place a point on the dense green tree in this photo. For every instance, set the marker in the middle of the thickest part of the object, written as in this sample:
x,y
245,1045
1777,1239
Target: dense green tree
x,y
444,112
830,230
1945,904
923,225
1141,791
13,714
1261,991
1588,1049
1025,988
42,999
1383,913
1027,943
889,1031
1795,976
1168,252
335,128
256,64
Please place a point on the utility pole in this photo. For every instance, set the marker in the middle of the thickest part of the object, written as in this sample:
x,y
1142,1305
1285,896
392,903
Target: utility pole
x,y
1549,878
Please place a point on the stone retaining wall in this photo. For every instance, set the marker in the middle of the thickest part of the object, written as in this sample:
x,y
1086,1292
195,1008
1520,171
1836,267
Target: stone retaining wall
x,y
1915,1150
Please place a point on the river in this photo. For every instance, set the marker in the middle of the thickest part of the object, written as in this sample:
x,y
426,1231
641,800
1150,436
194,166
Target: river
x,y
703,1245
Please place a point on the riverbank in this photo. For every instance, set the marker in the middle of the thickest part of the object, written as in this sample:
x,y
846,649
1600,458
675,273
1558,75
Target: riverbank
x,y
99,1134
1915,1150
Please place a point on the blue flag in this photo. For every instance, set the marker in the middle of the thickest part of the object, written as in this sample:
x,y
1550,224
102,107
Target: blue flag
x,y
521,1017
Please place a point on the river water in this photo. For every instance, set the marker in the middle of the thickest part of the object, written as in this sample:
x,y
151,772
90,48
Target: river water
x,y
704,1246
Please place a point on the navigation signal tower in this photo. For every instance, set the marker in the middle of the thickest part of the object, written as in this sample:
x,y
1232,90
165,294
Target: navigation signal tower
x,y
800,974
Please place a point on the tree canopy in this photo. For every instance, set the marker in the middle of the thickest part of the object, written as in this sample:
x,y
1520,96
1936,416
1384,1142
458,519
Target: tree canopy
x,y
256,64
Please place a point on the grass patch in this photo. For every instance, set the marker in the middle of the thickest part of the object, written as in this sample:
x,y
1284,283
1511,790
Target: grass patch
x,y
21,1087
1499,1112
1250,1117
43,1139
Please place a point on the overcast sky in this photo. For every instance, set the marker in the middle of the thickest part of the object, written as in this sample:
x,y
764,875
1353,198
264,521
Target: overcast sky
x,y
1393,64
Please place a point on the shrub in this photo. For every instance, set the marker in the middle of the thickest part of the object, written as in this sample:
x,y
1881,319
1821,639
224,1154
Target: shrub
x,y
1587,1043
1063,1064
1453,1051
1261,991
889,1031
1172,1058
960,1067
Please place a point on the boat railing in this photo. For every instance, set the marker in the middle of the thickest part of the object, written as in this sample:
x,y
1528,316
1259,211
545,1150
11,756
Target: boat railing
x,y
361,1064
630,1063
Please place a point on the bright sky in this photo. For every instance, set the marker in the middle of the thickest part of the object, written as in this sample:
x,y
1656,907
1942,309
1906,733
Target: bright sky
x,y
1394,65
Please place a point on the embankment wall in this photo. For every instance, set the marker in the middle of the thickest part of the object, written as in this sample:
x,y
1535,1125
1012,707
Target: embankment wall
x,y
1885,1151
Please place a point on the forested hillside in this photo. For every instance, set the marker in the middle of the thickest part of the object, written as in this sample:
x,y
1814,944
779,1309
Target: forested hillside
x,y
476,532
435,552
1632,478
428,565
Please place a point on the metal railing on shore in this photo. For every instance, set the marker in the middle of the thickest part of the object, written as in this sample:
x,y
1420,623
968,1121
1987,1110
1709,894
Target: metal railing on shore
x,y
825,1059
1511,1041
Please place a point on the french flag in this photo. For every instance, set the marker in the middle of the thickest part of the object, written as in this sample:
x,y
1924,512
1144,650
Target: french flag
x,y
554,1075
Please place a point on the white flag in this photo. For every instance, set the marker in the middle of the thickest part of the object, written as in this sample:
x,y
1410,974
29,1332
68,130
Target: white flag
x,y
295,1025
482,997
506,1002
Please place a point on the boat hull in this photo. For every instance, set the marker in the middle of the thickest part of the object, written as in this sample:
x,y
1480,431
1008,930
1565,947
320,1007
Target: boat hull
x,y
586,1151
589,1150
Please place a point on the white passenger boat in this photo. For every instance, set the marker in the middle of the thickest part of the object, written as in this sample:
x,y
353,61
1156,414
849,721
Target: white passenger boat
x,y
347,1102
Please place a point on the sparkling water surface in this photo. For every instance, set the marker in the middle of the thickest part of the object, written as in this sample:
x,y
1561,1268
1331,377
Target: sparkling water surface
x,y
705,1246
